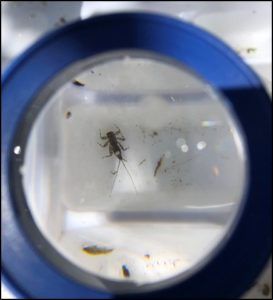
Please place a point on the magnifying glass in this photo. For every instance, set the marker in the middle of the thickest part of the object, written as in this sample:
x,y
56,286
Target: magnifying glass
x,y
136,160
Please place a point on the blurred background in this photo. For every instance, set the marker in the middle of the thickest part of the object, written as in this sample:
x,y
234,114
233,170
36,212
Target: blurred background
x,y
244,26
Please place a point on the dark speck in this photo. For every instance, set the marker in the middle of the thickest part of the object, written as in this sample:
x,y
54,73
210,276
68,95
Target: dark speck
x,y
251,50
93,72
68,114
77,83
142,162
125,271
158,165
265,289
147,256
154,134
62,20
95,250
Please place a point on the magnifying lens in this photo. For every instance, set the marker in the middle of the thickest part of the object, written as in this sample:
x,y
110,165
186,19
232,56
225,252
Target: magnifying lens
x,y
136,160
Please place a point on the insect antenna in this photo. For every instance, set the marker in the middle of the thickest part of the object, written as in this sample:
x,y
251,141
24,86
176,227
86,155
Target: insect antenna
x,y
129,175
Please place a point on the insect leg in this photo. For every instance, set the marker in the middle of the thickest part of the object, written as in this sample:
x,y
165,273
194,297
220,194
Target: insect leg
x,y
119,133
110,152
104,145
124,149
120,138
107,155
103,137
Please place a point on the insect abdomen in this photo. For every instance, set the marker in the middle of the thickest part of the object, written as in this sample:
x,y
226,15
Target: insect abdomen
x,y
118,154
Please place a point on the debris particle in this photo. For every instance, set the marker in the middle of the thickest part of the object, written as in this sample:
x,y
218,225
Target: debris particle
x,y
143,133
251,50
265,289
68,114
95,250
158,165
147,256
125,271
142,161
173,161
215,170
78,83
155,133
62,20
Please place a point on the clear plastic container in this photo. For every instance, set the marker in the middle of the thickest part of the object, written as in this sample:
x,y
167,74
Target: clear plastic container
x,y
165,200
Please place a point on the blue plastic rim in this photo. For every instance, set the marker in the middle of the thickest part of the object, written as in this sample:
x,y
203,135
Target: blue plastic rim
x,y
234,269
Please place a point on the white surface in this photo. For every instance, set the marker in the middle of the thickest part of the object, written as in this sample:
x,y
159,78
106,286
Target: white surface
x,y
244,26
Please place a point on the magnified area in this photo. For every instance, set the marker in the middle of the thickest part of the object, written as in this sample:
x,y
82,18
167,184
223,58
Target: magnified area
x,y
135,169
